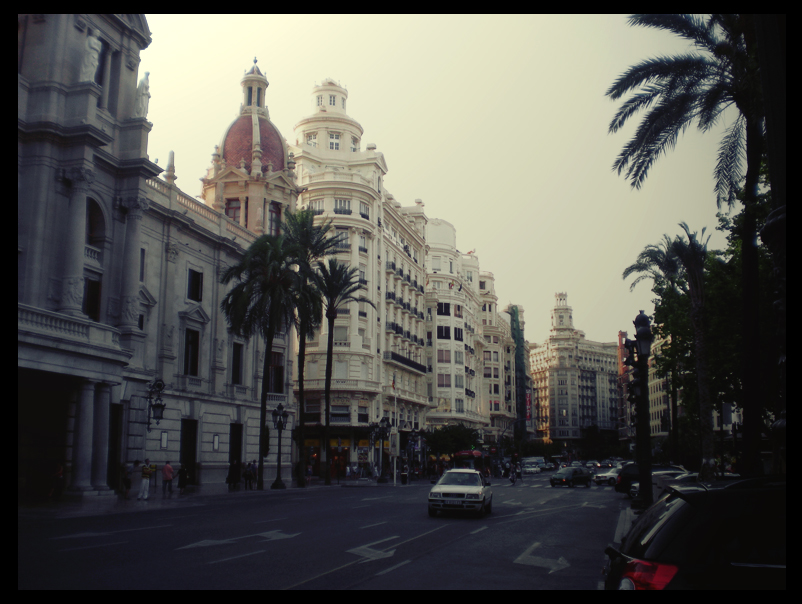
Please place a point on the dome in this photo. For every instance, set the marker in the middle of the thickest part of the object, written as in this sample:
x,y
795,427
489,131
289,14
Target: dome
x,y
237,144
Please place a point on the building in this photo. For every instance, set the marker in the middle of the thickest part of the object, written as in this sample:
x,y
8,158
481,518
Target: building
x,y
118,270
453,334
575,383
378,362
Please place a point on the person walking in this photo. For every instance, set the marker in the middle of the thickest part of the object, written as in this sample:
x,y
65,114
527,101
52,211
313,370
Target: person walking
x,y
233,476
183,475
167,479
248,477
144,486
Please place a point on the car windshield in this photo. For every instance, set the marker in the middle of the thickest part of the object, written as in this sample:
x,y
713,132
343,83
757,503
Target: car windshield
x,y
460,479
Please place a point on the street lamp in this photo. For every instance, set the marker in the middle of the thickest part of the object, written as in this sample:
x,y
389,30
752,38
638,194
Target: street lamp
x,y
382,431
155,409
643,344
280,419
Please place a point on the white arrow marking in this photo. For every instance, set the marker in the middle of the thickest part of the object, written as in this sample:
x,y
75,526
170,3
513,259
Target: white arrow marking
x,y
269,536
370,525
372,554
512,502
552,565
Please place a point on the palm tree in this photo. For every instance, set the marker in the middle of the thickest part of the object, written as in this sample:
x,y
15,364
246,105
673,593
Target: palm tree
x,y
700,86
314,243
692,255
262,303
338,284
680,264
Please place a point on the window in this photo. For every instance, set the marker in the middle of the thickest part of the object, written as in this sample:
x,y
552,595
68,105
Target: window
x,y
195,285
354,144
458,311
444,309
340,333
316,205
443,356
436,263
332,100
342,206
364,210
343,109
320,100
458,356
250,95
482,285
436,284
486,355
458,333
443,332
459,380
487,373
334,141
311,140
451,267
274,225
276,384
191,351
91,305
233,208
459,406
469,276
444,380
141,265
236,364
342,237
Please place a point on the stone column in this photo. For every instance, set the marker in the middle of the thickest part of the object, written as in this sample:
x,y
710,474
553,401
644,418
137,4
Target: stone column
x,y
100,451
353,323
129,315
83,437
72,290
104,93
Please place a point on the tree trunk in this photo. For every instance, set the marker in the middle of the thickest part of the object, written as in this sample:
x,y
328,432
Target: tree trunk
x,y
706,472
271,332
300,474
329,369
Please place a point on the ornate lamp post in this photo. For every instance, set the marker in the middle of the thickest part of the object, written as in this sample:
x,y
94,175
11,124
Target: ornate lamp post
x,y
643,345
155,404
280,419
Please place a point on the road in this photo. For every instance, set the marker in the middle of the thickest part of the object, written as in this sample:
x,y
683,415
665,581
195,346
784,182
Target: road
x,y
379,537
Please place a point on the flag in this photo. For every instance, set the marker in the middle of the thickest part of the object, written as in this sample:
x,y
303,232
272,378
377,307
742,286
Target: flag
x,y
393,381
451,285
460,287
472,251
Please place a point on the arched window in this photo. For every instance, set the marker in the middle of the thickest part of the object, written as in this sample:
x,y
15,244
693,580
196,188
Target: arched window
x,y
95,224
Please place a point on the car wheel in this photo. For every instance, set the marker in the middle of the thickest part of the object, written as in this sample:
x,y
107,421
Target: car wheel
x,y
552,484
570,484
489,508
587,484
432,512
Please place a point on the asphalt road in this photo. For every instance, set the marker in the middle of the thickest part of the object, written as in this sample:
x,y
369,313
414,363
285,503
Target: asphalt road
x,y
537,537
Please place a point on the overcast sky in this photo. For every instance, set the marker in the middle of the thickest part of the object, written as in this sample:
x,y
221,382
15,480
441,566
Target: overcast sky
x,y
498,123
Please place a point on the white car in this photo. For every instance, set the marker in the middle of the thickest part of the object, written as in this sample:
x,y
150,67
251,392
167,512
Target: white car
x,y
607,477
531,468
461,491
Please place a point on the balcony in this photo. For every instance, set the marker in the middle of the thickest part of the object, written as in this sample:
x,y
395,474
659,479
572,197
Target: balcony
x,y
389,267
344,211
402,360
365,216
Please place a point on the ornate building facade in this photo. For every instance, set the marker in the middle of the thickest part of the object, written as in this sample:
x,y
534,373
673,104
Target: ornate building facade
x,y
575,381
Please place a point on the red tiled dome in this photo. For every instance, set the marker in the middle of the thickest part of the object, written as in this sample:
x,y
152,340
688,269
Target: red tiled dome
x,y
238,144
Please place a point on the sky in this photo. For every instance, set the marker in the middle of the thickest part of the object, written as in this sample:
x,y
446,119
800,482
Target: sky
x,y
498,123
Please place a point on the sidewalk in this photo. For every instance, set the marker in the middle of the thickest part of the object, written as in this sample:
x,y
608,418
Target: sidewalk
x,y
195,495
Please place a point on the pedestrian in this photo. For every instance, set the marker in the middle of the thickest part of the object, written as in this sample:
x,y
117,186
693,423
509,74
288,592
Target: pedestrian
x,y
144,486
183,475
233,476
125,473
56,482
248,477
308,474
167,479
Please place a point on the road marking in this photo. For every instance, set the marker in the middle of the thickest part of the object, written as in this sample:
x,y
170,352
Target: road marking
x,y
271,520
261,551
479,530
369,553
375,498
80,535
269,536
72,549
370,525
593,505
387,570
529,560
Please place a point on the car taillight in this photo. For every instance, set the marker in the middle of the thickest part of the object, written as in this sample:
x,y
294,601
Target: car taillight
x,y
618,479
640,574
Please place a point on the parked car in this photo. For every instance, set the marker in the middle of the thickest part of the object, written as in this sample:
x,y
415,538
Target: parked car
x,y
570,477
607,476
592,465
461,491
634,487
728,535
630,473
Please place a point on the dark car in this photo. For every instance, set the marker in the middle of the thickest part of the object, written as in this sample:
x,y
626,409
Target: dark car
x,y
729,535
631,472
570,477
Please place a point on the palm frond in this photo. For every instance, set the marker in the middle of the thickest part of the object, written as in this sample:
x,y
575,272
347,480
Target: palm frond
x,y
690,27
729,165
